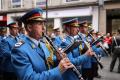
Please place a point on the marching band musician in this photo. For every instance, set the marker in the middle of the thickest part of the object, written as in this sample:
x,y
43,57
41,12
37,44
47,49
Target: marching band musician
x,y
57,39
93,70
71,29
6,48
3,35
29,55
87,67
3,32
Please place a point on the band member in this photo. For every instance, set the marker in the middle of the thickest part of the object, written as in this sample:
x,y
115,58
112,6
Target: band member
x,y
71,30
3,32
6,48
29,56
57,38
3,35
88,38
86,70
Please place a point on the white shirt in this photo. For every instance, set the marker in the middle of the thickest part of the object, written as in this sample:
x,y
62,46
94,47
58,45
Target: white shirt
x,y
36,42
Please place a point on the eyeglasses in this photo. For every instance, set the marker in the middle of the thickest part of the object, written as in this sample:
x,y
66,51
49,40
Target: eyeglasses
x,y
13,27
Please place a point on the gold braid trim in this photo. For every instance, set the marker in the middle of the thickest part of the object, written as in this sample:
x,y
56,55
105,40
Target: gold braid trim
x,y
50,58
81,48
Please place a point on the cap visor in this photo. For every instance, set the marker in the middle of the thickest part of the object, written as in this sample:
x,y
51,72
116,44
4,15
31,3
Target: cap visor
x,y
39,19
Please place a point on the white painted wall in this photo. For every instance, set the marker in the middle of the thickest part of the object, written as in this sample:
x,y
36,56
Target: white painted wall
x,y
57,23
95,17
77,1
0,5
70,12
9,16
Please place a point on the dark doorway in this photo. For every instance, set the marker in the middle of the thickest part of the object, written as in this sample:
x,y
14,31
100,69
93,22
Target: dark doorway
x,y
113,20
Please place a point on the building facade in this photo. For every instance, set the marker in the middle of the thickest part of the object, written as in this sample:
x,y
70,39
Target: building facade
x,y
94,11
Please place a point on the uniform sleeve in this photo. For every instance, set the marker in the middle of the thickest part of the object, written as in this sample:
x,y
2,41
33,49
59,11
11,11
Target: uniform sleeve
x,y
24,70
57,41
5,49
78,60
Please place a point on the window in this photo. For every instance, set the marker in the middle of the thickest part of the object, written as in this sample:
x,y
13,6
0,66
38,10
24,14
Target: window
x,y
81,1
80,18
1,4
16,3
41,3
71,0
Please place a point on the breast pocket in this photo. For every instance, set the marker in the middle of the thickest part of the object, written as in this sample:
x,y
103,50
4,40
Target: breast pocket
x,y
37,61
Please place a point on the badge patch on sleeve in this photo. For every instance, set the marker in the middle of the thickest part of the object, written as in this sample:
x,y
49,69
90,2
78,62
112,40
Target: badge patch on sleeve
x,y
19,44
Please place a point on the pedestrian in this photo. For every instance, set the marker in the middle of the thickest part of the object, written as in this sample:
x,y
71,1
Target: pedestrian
x,y
115,51
108,41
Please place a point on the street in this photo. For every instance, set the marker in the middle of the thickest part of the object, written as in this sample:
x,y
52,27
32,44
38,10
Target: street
x,y
105,73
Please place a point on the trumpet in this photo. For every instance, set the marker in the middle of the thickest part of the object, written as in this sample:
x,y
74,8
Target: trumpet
x,y
74,69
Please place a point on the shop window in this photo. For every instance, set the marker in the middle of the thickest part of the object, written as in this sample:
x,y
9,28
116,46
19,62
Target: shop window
x,y
16,3
40,3
80,19
71,0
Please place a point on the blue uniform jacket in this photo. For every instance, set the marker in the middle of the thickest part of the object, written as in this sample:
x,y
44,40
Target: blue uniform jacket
x,y
5,48
98,50
57,41
76,52
29,62
75,58
1,58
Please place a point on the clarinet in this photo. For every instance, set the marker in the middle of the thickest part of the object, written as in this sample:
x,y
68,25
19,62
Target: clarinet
x,y
95,41
100,44
74,69
88,47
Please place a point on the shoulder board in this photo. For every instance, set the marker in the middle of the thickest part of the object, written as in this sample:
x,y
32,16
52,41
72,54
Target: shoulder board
x,y
4,37
18,44
42,41
63,40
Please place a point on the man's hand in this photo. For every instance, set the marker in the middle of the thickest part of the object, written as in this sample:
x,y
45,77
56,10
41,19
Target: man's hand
x,y
60,55
65,64
90,52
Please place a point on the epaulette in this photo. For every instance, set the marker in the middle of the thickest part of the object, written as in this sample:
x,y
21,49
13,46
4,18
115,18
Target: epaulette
x,y
63,40
18,44
5,37
42,41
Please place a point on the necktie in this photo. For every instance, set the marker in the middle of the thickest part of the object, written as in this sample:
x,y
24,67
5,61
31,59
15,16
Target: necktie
x,y
39,45
43,56
41,49
16,38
